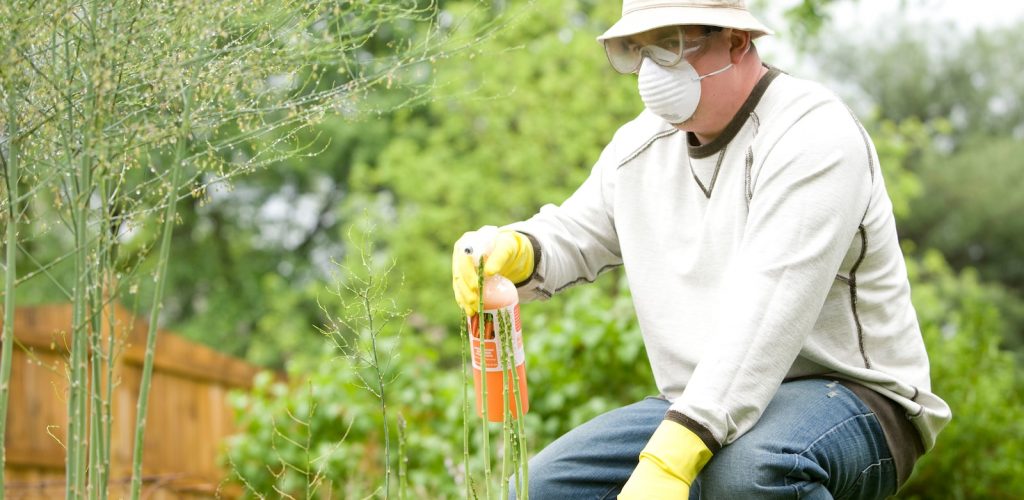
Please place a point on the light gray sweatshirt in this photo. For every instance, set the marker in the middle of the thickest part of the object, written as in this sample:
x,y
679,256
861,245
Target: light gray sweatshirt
x,y
769,253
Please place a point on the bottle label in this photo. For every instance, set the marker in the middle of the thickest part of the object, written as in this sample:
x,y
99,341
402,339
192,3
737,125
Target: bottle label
x,y
502,320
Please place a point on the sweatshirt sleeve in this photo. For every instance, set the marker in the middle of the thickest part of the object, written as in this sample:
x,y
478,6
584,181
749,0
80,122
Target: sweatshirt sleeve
x,y
808,202
576,241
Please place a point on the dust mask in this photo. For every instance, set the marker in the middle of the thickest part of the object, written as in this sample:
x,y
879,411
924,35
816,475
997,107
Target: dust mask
x,y
671,92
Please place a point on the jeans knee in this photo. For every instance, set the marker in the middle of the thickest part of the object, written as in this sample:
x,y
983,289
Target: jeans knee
x,y
740,471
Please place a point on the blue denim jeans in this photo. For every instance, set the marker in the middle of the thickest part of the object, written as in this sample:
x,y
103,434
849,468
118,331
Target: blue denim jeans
x,y
816,440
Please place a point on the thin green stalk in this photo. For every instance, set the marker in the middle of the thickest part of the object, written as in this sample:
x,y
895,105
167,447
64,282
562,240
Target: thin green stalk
x,y
522,482
13,178
99,443
79,346
161,285
100,439
368,308
96,393
465,405
94,313
107,423
79,206
502,327
92,139
78,403
108,295
483,380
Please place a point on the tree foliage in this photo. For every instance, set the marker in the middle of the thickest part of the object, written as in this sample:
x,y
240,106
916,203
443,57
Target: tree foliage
x,y
514,121
976,455
518,125
964,100
113,111
969,81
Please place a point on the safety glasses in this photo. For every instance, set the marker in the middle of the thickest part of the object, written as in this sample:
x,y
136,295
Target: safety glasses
x,y
665,46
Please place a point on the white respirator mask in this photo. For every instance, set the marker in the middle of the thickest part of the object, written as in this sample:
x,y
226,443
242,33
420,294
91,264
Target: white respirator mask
x,y
671,92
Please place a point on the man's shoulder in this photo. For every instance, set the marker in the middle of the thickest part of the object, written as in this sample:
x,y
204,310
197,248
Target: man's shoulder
x,y
638,134
791,95
806,118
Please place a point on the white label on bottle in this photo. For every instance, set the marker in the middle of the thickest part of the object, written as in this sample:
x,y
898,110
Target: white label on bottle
x,y
494,351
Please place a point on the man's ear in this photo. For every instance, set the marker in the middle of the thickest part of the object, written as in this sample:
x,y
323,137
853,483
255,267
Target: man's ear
x,y
739,44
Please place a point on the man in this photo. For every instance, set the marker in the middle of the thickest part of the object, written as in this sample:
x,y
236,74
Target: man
x,y
749,211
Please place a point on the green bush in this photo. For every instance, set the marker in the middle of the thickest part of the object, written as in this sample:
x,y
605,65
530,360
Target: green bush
x,y
978,454
323,421
489,155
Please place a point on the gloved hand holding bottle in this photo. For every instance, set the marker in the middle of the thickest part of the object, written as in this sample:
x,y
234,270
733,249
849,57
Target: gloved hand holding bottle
x,y
505,252
495,333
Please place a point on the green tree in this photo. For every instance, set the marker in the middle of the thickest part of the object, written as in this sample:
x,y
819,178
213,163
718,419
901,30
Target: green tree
x,y
116,110
970,209
965,95
967,79
976,456
517,127
520,126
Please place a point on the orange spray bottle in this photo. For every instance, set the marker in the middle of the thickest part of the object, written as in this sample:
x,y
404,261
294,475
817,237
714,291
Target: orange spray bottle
x,y
500,307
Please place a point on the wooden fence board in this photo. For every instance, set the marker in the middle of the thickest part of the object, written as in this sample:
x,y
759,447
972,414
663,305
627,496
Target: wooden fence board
x,y
188,416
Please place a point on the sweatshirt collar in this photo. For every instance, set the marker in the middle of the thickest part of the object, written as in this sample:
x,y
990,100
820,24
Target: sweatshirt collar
x,y
698,151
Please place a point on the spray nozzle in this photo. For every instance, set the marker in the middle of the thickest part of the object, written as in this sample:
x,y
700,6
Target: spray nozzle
x,y
478,244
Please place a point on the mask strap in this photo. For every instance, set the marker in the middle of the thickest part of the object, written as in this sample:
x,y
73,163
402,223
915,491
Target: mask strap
x,y
713,73
727,66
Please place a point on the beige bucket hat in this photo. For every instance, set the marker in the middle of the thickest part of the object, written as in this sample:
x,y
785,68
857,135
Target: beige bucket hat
x,y
643,15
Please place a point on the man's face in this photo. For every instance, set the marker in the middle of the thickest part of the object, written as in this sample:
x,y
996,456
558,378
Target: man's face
x,y
713,55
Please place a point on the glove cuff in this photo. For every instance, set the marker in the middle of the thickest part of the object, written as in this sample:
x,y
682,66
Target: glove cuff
x,y
513,257
677,450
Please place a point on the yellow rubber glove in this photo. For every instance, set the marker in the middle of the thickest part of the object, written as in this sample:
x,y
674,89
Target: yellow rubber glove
x,y
668,465
504,251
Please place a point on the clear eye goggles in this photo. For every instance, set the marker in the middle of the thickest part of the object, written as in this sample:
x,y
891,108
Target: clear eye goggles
x,y
665,46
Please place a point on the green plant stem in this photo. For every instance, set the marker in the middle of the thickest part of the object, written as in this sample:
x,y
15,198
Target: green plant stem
x,y
79,206
97,436
104,392
522,481
95,475
12,176
107,424
79,383
161,282
481,319
77,403
95,319
465,405
502,327
368,309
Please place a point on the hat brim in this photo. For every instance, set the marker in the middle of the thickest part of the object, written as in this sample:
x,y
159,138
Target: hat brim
x,y
642,20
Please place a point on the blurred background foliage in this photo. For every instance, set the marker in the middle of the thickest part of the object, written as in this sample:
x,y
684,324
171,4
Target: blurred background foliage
x,y
517,122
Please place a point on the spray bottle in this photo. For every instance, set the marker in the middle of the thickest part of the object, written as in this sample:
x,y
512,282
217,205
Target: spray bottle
x,y
500,305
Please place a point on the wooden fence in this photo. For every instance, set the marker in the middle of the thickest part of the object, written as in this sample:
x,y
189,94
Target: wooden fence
x,y
188,412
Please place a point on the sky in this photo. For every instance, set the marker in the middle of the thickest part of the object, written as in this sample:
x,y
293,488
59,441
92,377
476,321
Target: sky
x,y
965,14
869,16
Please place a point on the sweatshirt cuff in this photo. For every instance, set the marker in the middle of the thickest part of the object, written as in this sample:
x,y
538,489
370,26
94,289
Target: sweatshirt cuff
x,y
695,427
537,259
